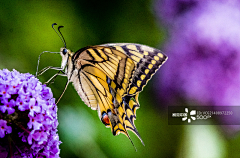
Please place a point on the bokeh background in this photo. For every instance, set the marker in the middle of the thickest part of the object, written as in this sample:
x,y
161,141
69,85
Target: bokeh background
x,y
200,38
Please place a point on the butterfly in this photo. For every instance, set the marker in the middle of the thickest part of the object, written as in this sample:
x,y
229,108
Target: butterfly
x,y
109,78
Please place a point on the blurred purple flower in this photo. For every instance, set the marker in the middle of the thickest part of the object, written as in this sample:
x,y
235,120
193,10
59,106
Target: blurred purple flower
x,y
169,10
29,113
204,56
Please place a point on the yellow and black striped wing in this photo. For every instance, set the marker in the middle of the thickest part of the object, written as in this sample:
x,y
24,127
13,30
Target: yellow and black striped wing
x,y
109,78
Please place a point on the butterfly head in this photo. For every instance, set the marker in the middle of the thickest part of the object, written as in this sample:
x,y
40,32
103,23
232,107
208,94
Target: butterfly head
x,y
66,54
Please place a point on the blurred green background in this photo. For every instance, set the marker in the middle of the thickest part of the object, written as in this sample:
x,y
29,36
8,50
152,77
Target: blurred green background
x,y
25,32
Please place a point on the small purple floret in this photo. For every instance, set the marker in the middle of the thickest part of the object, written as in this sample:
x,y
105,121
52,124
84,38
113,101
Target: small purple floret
x,y
4,129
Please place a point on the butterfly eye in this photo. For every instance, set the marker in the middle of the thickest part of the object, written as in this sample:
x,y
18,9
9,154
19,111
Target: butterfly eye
x,y
64,51
105,119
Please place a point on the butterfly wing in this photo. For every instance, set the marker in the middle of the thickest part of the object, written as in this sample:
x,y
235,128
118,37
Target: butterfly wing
x,y
110,77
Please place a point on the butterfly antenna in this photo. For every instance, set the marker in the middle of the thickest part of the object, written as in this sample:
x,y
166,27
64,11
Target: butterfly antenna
x,y
62,36
59,34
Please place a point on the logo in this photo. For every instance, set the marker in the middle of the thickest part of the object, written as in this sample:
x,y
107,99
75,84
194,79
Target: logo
x,y
190,116
198,115
186,116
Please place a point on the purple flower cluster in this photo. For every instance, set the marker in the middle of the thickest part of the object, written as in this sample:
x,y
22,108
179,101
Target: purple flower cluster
x,y
28,116
204,53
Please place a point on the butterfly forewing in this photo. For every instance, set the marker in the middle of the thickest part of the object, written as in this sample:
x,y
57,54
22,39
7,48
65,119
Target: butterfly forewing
x,y
147,61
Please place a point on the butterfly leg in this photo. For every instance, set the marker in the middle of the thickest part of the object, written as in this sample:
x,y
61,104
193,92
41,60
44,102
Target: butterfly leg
x,y
52,79
39,59
63,91
48,68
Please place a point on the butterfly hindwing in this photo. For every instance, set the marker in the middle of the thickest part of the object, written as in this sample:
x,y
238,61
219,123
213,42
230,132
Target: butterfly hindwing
x,y
147,60
131,105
